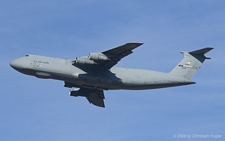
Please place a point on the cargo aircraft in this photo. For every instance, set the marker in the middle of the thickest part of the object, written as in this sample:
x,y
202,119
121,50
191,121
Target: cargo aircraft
x,y
93,74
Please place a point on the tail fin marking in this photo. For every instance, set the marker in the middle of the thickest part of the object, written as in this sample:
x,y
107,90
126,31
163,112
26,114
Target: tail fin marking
x,y
191,62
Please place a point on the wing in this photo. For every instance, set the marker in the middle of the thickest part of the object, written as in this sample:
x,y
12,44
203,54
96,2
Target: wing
x,y
94,96
108,58
116,54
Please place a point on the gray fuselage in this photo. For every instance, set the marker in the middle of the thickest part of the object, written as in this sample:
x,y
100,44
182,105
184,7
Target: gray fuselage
x,y
95,77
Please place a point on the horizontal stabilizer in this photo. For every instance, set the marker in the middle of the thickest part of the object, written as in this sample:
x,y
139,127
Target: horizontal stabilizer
x,y
201,51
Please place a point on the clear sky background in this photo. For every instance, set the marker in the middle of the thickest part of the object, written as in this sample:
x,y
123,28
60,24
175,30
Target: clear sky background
x,y
34,109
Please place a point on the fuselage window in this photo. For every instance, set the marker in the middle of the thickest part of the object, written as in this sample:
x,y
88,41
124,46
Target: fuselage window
x,y
26,55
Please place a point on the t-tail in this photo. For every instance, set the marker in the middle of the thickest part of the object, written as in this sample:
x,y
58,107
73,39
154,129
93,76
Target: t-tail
x,y
191,62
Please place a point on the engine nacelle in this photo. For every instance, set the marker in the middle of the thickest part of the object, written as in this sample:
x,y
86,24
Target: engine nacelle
x,y
76,93
70,85
98,57
84,61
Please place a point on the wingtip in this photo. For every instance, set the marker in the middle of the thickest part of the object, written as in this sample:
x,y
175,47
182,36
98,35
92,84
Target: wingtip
x,y
140,43
210,48
137,43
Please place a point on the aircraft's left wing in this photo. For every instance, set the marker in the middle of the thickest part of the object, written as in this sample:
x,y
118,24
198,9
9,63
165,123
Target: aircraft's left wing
x,y
94,96
108,58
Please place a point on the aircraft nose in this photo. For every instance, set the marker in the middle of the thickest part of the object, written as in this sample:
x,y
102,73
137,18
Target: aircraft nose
x,y
16,64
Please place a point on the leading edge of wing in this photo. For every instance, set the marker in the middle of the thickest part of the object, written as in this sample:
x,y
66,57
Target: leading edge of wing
x,y
122,48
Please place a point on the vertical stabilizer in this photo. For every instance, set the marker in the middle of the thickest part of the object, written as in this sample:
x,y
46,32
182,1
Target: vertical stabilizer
x,y
191,62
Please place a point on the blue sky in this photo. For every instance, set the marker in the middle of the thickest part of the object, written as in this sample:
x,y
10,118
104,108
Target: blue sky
x,y
35,109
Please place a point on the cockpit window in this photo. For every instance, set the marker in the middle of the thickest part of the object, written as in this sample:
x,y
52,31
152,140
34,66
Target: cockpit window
x,y
26,55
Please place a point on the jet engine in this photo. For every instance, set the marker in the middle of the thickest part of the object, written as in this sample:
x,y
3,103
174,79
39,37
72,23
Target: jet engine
x,y
76,93
84,61
70,85
98,57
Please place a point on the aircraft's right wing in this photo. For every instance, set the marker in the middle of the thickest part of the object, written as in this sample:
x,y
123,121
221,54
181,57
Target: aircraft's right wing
x,y
116,54
108,58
